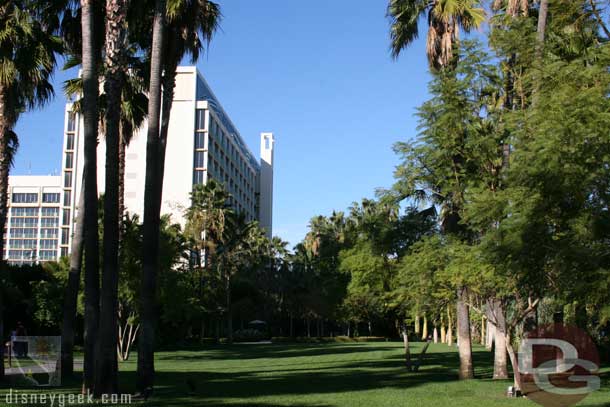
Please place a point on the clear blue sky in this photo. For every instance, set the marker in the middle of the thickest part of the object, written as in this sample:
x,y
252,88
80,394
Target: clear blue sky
x,y
319,75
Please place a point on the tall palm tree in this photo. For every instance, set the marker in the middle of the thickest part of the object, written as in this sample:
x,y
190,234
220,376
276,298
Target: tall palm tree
x,y
445,19
152,209
28,48
106,374
179,27
90,54
513,8
12,150
238,245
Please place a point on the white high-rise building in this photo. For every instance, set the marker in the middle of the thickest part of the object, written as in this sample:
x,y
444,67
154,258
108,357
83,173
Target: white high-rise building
x,y
202,143
31,233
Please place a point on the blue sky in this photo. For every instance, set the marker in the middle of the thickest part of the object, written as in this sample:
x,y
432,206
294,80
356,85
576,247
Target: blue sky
x,y
319,75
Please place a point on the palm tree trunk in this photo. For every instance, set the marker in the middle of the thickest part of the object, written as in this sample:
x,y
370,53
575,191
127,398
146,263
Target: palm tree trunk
x,y
150,259
5,162
229,313
463,329
2,373
106,379
124,136
90,119
500,360
72,288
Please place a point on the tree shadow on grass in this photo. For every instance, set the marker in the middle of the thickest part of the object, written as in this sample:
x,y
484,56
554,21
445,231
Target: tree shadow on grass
x,y
237,351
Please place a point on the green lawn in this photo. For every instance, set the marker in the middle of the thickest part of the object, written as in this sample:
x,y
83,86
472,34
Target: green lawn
x,y
337,374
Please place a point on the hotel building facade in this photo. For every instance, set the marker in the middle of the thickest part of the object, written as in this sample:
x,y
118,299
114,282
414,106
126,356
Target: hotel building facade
x,y
203,144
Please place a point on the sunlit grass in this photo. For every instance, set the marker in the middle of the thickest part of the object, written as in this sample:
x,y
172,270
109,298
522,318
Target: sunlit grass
x,y
336,374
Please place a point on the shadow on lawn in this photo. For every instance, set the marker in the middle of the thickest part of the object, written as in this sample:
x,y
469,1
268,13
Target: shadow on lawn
x,y
287,377
217,387
263,351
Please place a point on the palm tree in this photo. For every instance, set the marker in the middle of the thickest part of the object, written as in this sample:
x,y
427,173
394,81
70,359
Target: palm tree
x,y
513,8
445,18
90,54
190,22
239,245
12,150
206,220
28,49
152,209
106,375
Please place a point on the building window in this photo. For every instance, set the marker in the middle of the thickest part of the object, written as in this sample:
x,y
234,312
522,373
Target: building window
x,y
49,233
64,251
70,141
199,159
48,244
50,197
49,222
198,177
200,119
65,236
17,211
47,254
67,196
67,180
69,160
65,220
49,211
199,140
25,197
71,121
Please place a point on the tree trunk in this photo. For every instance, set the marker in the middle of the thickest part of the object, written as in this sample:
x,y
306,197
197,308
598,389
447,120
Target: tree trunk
x,y
500,361
417,324
71,294
90,53
542,19
405,340
2,373
483,322
491,328
150,256
435,335
513,361
106,379
5,163
424,331
124,136
229,313
449,326
463,329
443,333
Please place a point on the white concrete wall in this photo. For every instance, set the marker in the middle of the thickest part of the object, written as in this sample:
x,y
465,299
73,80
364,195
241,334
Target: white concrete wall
x,y
266,183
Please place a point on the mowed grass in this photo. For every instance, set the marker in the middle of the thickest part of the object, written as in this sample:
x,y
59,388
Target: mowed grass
x,y
331,374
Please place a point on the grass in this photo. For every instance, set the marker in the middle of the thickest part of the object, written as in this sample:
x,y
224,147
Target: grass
x,y
328,374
